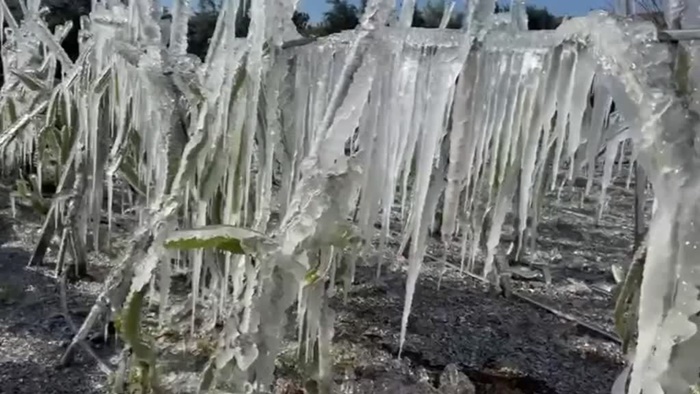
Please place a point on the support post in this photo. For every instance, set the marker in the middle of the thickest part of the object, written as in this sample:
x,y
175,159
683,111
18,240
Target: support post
x,y
640,198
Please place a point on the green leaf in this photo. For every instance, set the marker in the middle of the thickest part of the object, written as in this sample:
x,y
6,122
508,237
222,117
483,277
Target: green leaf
x,y
312,276
142,351
219,237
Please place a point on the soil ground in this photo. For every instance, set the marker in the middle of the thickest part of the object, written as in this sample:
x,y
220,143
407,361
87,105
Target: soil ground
x,y
502,345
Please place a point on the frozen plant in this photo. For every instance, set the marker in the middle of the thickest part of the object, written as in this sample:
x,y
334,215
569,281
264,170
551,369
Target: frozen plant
x,y
463,121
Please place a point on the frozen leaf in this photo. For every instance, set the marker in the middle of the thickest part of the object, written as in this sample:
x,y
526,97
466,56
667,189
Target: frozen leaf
x,y
130,328
219,237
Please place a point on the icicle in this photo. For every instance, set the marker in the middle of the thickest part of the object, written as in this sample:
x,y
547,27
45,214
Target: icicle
x,y
503,100
407,151
585,71
164,282
601,111
555,74
407,11
446,15
531,141
441,79
564,99
520,118
197,260
610,154
462,142
376,14
346,121
151,291
518,11
620,158
480,114
479,16
493,128
555,79
503,204
375,155
178,28
513,114
632,163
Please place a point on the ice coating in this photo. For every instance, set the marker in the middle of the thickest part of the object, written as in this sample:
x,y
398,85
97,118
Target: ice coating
x,y
357,121
177,42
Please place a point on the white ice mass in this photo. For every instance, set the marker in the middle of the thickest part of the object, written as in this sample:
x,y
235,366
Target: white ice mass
x,y
349,127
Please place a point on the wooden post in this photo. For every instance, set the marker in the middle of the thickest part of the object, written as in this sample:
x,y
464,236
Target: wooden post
x,y
640,199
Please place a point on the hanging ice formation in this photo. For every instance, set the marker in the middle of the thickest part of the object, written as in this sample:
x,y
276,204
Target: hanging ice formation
x,y
463,121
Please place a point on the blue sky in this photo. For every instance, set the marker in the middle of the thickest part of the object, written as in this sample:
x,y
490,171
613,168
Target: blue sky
x,y
316,8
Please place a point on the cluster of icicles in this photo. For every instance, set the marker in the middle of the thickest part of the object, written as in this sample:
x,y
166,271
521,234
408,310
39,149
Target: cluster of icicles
x,y
317,134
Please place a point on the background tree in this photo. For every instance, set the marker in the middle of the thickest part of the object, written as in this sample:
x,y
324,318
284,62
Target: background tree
x,y
62,11
431,15
301,21
539,18
649,10
199,32
341,16
201,25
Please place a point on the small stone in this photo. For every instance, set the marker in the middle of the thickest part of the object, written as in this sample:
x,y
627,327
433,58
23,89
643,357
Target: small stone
x,y
520,272
576,287
453,381
422,375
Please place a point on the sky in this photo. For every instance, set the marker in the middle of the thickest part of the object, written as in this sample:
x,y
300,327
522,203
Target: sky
x,y
316,8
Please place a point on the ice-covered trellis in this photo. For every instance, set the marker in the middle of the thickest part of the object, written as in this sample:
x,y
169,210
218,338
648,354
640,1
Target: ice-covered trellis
x,y
328,137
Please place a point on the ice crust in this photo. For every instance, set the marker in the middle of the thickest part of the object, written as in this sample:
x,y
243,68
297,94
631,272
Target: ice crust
x,y
353,127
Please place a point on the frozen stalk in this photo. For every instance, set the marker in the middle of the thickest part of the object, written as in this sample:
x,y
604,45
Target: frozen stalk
x,y
352,120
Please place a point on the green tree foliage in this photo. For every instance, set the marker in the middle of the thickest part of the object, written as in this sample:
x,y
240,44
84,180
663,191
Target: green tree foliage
x,y
431,15
301,21
541,19
341,16
200,29
538,18
62,11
